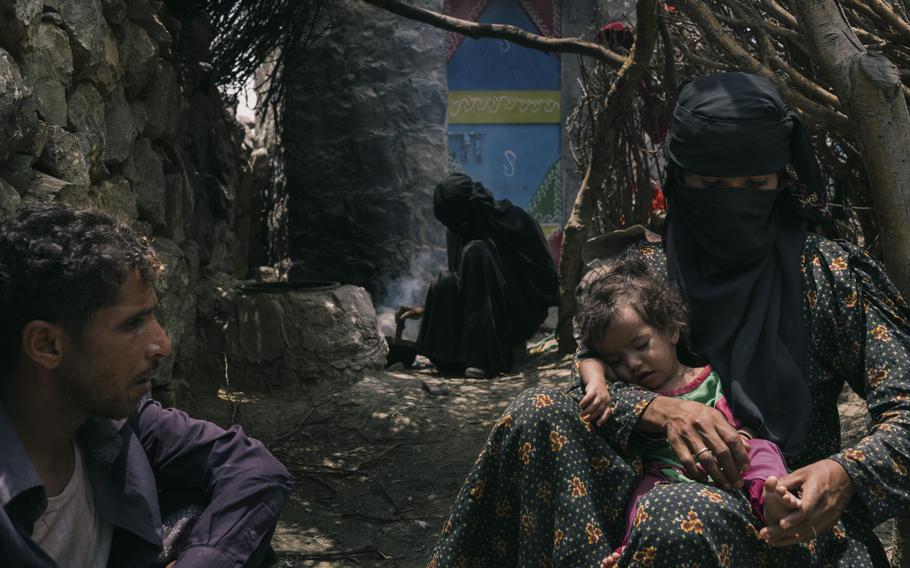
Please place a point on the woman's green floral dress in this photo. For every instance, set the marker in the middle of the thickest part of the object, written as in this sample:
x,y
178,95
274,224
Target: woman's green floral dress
x,y
549,489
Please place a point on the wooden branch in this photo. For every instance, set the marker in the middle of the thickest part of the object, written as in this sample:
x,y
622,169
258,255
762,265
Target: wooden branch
x,y
702,15
606,128
889,15
753,18
781,13
501,31
774,29
869,85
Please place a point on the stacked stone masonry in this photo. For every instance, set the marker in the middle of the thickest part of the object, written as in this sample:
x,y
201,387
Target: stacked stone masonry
x,y
111,104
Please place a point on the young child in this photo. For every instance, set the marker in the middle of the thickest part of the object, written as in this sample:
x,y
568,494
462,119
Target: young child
x,y
632,322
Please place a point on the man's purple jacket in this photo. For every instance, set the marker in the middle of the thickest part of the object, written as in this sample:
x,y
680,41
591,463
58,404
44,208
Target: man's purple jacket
x,y
129,463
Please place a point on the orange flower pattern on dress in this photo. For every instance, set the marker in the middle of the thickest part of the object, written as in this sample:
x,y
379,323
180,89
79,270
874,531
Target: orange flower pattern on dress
x,y
477,490
641,515
447,527
898,468
558,537
503,509
528,524
692,523
838,264
850,301
812,296
875,376
578,488
723,557
855,455
557,441
500,548
432,562
525,452
645,556
712,496
881,333
506,421
543,401
593,533
601,465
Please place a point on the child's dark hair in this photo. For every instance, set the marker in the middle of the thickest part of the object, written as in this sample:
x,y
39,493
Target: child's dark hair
x,y
627,283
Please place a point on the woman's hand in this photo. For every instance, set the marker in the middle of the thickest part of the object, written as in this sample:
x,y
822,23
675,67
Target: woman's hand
x,y
824,488
703,440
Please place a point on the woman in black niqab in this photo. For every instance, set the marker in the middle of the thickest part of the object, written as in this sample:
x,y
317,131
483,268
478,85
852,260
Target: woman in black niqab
x,y
500,282
734,253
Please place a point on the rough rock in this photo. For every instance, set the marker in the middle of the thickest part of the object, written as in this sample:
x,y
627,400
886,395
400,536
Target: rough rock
x,y
86,28
145,171
365,197
15,98
50,70
114,10
9,198
175,192
112,195
106,74
164,103
17,170
46,188
120,128
85,109
268,349
63,157
139,56
177,313
17,22
33,142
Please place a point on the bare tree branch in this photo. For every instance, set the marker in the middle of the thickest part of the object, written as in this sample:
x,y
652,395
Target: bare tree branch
x,y
501,31
889,15
608,122
703,16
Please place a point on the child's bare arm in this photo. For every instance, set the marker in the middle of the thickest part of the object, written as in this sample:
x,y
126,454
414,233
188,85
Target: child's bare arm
x,y
595,405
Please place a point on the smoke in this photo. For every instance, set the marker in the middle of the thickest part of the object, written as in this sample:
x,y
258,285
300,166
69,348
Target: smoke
x,y
408,290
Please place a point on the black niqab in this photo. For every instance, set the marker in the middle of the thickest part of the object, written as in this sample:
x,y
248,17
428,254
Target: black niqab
x,y
735,253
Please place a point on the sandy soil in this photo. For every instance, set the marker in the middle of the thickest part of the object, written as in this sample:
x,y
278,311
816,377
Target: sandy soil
x,y
379,463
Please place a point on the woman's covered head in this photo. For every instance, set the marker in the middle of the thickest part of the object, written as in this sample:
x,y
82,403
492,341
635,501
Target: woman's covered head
x,y
460,204
734,130
730,125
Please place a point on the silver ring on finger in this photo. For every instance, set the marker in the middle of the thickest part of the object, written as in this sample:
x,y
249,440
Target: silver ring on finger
x,y
814,533
701,451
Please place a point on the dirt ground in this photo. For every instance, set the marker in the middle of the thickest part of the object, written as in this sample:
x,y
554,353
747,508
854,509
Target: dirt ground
x,y
379,463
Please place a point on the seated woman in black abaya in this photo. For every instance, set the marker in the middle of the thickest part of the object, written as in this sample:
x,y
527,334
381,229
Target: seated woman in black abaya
x,y
498,286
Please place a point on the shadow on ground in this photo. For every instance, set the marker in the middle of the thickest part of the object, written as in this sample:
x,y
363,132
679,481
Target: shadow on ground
x,y
378,463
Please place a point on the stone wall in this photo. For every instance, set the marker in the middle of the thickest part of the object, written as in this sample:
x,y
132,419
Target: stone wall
x,y
110,104
364,141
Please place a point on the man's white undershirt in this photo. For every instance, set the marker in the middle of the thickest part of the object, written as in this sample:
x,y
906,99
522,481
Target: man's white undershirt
x,y
71,530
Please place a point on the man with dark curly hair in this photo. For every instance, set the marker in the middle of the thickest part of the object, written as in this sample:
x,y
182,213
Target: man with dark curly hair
x,y
89,463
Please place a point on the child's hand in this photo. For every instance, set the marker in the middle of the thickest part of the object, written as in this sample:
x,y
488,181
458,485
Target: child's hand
x,y
595,406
